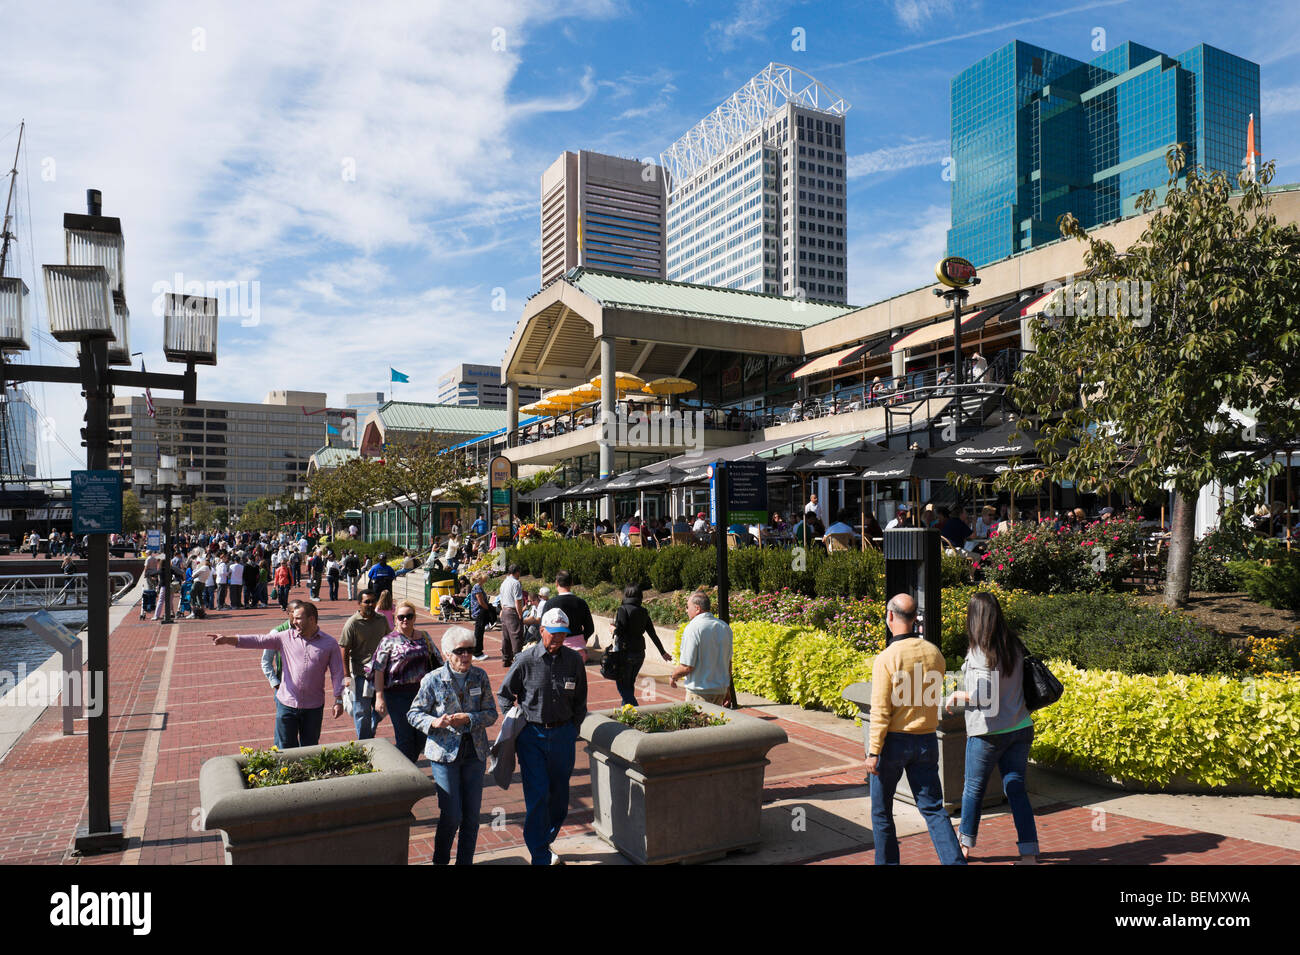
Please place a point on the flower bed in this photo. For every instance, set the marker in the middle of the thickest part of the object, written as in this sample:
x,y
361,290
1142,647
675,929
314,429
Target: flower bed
x,y
269,767
683,716
1040,558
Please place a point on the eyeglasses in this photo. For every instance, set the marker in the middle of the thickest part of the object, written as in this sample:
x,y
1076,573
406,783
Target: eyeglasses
x,y
463,651
406,616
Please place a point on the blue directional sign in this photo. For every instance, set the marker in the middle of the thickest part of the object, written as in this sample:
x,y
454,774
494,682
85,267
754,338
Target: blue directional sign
x,y
96,502
747,486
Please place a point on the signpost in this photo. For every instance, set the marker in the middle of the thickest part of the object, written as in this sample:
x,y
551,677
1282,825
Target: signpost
x,y
500,470
153,539
737,492
96,502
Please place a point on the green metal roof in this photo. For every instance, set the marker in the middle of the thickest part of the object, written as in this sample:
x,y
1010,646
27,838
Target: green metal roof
x,y
332,457
440,419
614,290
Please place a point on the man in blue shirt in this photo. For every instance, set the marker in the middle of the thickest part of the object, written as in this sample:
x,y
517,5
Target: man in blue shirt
x,y
705,655
955,530
381,576
480,526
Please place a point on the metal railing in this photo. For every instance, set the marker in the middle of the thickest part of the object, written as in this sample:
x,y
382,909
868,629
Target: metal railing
x,y
64,591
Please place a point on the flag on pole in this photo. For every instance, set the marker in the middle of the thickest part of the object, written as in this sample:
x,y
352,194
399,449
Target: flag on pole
x,y
398,376
1252,155
148,396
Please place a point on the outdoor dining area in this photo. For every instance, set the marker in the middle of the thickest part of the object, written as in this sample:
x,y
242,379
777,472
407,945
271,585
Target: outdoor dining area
x,y
571,409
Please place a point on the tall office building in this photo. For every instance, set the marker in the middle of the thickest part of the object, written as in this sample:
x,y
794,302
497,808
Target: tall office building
x,y
479,386
19,427
1036,134
363,403
756,191
244,450
602,212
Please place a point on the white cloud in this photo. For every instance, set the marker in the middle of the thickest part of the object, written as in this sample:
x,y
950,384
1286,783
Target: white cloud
x,y
915,14
749,21
897,255
1275,100
892,158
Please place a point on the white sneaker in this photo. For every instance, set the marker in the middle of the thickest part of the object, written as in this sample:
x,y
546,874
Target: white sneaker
x,y
481,657
556,860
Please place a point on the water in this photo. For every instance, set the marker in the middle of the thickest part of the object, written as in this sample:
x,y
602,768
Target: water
x,y
19,646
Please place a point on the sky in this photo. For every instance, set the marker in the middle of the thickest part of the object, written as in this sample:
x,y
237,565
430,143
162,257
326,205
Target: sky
x,y
366,175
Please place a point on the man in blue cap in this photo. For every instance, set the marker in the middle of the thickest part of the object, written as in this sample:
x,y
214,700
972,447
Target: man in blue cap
x,y
549,682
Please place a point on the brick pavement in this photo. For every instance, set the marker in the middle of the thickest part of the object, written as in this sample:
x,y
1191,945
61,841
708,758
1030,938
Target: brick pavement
x,y
178,701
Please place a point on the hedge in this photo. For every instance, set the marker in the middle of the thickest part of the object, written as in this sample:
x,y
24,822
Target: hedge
x,y
1211,731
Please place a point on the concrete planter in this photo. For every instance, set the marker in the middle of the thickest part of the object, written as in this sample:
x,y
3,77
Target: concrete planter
x,y
685,796
355,820
952,754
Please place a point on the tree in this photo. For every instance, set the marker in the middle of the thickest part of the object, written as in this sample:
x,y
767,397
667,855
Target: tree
x,y
1180,364
132,514
351,486
413,475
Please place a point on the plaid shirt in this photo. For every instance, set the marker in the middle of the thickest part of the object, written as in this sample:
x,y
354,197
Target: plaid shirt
x,y
550,687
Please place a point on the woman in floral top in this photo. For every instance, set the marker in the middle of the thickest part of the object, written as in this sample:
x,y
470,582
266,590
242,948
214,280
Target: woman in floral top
x,y
400,662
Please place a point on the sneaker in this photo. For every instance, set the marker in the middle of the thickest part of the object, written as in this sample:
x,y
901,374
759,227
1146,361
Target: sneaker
x,y
556,860
480,657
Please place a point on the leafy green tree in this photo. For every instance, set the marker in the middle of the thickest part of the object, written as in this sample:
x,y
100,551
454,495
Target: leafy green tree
x,y
413,475
1193,381
132,514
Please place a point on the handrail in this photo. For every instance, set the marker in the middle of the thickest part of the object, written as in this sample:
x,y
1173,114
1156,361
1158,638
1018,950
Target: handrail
x,y
25,591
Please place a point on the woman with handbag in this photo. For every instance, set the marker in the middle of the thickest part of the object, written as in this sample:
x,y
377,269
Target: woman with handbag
x,y
999,730
632,624
399,665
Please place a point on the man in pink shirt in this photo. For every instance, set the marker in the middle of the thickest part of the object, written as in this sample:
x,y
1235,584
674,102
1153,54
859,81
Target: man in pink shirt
x,y
306,653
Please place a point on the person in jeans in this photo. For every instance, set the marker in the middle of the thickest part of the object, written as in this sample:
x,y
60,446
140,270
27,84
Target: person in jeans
x,y
902,737
400,662
306,652
480,608
361,637
453,708
632,624
512,620
999,730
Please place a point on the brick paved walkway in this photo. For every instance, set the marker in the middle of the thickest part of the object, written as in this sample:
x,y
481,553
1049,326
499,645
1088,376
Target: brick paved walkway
x,y
178,701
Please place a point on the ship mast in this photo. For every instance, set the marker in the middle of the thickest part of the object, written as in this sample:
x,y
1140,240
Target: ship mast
x,y
6,235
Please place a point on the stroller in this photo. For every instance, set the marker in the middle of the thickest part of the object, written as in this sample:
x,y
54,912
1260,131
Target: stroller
x,y
148,602
450,609
185,598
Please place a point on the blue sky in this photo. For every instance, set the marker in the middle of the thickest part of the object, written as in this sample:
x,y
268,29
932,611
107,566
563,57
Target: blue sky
x,y
374,167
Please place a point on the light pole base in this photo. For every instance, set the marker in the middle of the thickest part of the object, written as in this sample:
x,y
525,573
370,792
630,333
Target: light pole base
x,y
93,843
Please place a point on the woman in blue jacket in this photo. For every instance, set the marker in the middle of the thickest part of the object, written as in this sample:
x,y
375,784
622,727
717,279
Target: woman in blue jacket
x,y
454,707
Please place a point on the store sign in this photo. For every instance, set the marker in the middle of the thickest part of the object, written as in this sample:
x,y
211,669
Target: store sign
x,y
955,272
499,471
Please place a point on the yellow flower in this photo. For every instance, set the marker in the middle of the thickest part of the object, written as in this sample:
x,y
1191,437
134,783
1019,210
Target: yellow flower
x,y
252,778
263,772
284,770
275,749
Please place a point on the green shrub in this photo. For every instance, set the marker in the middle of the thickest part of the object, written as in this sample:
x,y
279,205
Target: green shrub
x,y
700,569
1112,632
1276,584
744,566
1211,731
364,549
1231,540
666,571
631,566
955,570
786,569
850,574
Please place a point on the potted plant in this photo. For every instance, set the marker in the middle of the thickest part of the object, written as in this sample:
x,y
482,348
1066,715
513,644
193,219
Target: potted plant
x,y
316,805
678,782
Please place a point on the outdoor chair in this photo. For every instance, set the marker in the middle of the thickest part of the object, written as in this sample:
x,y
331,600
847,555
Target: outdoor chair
x,y
609,540
683,537
836,542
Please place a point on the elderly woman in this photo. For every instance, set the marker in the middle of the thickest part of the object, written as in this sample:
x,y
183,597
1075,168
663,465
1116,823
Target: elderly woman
x,y
454,707
399,666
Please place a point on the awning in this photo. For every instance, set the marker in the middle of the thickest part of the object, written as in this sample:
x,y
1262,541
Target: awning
x,y
1036,304
984,316
932,333
844,356
737,452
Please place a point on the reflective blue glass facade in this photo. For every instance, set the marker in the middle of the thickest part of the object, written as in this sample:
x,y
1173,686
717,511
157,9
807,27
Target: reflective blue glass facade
x,y
1037,134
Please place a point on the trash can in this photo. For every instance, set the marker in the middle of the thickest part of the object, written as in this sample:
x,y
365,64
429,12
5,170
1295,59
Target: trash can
x,y
436,590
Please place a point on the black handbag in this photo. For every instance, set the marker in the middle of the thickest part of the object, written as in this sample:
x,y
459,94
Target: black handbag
x,y
612,662
1041,687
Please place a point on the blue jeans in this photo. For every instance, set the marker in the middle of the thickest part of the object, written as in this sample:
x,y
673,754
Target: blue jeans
x,y
364,716
627,683
545,765
1009,752
917,754
297,726
460,795
408,739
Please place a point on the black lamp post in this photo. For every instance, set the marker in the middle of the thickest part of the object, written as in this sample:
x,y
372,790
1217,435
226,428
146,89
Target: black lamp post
x,y
86,304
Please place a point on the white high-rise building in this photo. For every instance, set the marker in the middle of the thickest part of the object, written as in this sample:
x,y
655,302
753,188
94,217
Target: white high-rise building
x,y
756,191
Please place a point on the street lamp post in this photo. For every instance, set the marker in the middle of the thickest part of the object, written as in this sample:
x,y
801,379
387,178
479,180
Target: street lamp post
x,y
86,304
163,484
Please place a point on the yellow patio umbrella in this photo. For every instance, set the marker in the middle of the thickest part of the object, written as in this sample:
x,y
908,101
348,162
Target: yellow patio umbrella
x,y
536,408
623,381
669,386
565,400
586,390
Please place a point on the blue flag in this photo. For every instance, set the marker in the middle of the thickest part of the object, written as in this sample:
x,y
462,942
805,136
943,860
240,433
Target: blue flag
x,y
330,429
398,376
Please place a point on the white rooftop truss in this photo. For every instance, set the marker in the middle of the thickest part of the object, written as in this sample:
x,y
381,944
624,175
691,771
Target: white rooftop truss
x,y
744,112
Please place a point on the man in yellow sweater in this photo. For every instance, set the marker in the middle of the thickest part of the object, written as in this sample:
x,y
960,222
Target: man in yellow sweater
x,y
906,693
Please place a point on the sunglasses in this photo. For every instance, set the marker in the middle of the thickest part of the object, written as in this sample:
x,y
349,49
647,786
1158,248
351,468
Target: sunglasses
x,y
463,651
406,616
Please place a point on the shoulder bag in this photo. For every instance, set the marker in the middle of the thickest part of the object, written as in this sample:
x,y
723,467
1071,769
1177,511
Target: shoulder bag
x,y
1041,687
613,661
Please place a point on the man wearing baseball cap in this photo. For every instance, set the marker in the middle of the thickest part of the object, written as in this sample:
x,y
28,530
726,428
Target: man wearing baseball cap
x,y
549,682
900,518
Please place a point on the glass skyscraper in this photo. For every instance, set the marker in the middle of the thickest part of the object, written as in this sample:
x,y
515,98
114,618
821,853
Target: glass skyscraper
x,y
1037,134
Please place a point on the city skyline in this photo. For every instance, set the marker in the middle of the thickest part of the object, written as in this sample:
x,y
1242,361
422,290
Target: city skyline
x,y
288,156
